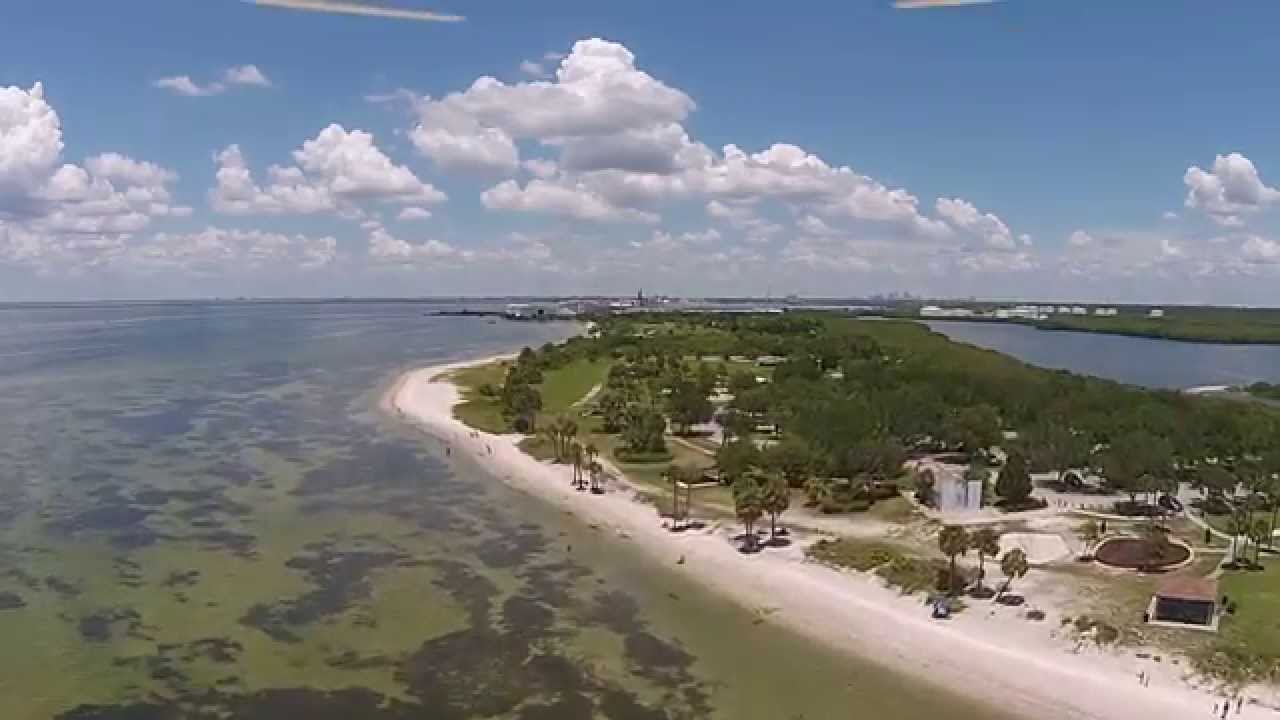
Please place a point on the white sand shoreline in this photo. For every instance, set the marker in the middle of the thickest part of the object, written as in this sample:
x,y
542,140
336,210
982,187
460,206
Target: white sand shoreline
x,y
981,653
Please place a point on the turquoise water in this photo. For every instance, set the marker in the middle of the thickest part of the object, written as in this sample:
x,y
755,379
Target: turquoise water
x,y
203,514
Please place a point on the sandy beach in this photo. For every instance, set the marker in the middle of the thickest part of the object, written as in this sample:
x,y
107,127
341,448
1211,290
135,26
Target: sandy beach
x,y
988,652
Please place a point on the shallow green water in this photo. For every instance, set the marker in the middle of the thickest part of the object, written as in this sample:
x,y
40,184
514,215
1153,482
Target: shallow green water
x,y
203,515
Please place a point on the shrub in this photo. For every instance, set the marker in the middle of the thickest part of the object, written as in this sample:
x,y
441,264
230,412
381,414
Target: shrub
x,y
1031,503
634,457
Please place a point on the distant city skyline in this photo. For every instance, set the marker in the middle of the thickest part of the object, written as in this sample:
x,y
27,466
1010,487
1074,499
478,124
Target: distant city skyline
x,y
1078,152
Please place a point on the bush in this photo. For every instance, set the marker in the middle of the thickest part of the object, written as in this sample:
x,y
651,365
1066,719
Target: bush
x,y
1136,509
627,455
1031,503
884,491
488,390
912,575
861,556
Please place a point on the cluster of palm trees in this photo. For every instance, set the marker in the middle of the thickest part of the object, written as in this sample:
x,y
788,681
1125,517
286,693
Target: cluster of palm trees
x,y
584,458
955,541
1260,480
757,493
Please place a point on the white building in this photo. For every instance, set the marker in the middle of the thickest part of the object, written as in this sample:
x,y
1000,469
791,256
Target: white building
x,y
1155,313
1105,312
933,311
1077,310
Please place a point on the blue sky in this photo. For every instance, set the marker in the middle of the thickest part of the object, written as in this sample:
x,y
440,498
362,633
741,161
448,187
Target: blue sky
x,y
1029,148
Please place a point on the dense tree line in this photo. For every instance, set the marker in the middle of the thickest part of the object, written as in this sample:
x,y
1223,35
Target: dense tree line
x,y
852,390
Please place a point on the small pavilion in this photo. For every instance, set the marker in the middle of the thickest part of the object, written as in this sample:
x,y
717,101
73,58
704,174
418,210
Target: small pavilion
x,y
1185,602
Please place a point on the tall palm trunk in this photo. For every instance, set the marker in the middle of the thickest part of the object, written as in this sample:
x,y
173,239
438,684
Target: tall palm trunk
x,y
1275,508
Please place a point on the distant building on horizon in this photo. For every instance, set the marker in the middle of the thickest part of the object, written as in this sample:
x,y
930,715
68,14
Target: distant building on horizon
x,y
934,311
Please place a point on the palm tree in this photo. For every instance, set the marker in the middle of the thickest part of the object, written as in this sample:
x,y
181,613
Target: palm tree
x,y
1014,565
1090,532
1259,532
748,504
593,466
777,498
986,541
953,541
577,458
677,474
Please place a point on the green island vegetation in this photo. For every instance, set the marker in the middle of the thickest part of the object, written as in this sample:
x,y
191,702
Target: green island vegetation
x,y
1246,326
819,412
1266,391
1215,325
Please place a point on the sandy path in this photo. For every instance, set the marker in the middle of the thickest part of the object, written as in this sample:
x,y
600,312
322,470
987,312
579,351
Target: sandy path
x,y
987,651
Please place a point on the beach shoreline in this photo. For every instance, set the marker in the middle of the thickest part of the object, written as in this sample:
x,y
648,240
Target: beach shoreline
x,y
984,653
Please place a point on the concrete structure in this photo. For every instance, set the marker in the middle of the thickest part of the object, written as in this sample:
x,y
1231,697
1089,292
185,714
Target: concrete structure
x,y
1155,313
955,494
1185,602
1077,310
1105,312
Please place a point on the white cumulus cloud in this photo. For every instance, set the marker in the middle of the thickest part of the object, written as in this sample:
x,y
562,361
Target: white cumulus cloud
x,y
335,171
1230,187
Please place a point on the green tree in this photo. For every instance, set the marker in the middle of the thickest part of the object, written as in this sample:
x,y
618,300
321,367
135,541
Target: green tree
x,y
748,505
819,489
792,457
644,429
735,458
877,459
1134,461
1054,447
986,542
688,405
613,409
707,377
736,424
560,434
523,403
741,381
953,541
777,498
1214,480
1014,565
1013,484
975,428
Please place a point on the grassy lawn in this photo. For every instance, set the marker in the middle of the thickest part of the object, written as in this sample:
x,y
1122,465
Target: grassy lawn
x,y
904,569
1252,635
1223,522
896,510
563,387
475,410
560,389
